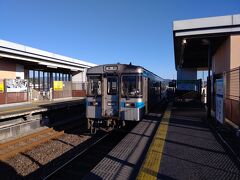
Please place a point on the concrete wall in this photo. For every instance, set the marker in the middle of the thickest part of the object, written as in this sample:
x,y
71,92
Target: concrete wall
x,y
227,56
20,71
10,70
7,69
235,51
79,76
221,59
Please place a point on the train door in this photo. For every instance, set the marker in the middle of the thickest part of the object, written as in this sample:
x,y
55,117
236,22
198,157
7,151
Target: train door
x,y
110,104
145,93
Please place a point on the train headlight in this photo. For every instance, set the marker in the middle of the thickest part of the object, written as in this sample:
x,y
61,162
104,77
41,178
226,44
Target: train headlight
x,y
129,104
111,103
93,103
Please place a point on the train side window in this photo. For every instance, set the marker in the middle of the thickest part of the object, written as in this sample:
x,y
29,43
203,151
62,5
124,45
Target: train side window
x,y
94,86
112,88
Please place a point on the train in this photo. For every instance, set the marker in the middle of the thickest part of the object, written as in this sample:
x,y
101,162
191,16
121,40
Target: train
x,y
117,93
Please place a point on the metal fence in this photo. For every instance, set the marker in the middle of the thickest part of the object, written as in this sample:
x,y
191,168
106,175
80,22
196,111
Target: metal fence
x,y
71,89
232,95
12,91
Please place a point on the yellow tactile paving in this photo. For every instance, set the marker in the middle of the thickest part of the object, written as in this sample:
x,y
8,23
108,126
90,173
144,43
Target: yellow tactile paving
x,y
151,164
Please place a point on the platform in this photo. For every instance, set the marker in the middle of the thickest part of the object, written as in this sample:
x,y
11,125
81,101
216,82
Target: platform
x,y
20,109
179,145
17,119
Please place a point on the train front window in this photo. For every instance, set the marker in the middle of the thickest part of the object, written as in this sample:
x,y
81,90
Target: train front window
x,y
112,85
94,86
131,86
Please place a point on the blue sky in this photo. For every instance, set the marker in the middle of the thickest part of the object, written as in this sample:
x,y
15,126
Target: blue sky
x,y
106,31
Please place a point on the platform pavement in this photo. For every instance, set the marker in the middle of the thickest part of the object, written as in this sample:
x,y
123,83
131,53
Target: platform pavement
x,y
183,147
192,150
18,109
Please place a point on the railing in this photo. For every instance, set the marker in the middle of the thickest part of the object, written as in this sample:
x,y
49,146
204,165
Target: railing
x,y
69,89
17,90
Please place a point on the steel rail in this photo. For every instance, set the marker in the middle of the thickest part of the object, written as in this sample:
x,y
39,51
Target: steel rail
x,y
76,156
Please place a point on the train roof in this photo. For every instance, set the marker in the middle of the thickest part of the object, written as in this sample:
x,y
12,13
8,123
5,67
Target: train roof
x,y
121,68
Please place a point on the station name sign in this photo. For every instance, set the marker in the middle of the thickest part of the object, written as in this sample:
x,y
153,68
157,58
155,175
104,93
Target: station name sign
x,y
111,68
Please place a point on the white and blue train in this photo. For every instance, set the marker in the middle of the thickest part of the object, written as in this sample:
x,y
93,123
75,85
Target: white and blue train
x,y
119,92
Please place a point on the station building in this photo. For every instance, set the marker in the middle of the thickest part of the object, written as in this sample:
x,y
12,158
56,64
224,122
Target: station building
x,y
28,74
211,44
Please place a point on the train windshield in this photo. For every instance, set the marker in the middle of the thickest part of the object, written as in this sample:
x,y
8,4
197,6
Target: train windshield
x,y
131,86
94,86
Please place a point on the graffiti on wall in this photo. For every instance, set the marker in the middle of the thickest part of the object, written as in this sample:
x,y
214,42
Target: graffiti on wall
x,y
16,85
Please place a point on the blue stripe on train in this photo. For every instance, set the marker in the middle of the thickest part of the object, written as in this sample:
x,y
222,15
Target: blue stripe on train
x,y
122,104
137,104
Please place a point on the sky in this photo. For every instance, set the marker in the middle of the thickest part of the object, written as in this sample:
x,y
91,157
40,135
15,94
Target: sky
x,y
106,31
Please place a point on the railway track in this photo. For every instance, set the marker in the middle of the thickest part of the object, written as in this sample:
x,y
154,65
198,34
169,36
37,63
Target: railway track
x,y
28,142
82,163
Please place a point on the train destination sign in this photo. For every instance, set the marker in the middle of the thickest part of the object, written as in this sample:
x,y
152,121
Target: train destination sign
x,y
111,68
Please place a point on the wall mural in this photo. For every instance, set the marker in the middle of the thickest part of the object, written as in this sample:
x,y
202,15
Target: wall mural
x,y
16,85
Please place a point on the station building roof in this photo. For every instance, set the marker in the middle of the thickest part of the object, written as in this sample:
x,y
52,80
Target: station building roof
x,y
41,58
192,37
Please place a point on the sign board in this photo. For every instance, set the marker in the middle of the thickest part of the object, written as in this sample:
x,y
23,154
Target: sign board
x,y
16,85
219,109
57,85
219,87
1,86
219,100
186,85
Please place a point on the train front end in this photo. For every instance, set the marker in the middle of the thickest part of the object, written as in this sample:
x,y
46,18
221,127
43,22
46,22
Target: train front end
x,y
114,94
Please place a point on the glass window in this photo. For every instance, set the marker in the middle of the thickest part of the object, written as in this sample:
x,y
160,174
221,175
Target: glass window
x,y
46,81
131,86
30,80
36,79
56,76
41,80
112,85
94,86
60,76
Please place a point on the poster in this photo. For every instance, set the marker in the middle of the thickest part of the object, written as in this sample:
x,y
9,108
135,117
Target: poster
x,y
1,86
219,100
219,109
16,85
57,85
